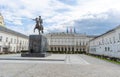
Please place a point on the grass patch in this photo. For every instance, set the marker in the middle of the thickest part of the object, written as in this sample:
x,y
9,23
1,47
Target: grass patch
x,y
106,59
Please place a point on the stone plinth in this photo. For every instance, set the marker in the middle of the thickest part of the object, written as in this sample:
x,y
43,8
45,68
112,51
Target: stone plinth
x,y
35,54
37,46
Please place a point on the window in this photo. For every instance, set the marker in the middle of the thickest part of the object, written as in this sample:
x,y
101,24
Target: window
x,y
23,42
83,49
62,48
11,40
77,43
94,49
110,41
102,41
105,48
76,49
80,49
14,48
119,36
17,41
58,49
68,49
108,48
83,42
14,40
114,39
51,48
0,48
80,43
0,38
99,43
6,39
65,49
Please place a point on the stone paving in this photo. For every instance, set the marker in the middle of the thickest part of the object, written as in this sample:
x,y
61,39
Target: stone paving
x,y
72,66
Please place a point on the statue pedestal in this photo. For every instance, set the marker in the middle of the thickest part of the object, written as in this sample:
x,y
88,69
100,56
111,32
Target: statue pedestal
x,y
37,46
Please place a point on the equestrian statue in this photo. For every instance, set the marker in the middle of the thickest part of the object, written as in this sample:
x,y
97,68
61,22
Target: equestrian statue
x,y
39,25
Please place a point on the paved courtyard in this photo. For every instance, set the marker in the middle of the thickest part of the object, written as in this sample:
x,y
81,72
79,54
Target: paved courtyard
x,y
57,65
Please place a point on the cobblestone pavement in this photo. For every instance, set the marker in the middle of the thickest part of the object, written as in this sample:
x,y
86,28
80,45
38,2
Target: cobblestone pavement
x,y
72,66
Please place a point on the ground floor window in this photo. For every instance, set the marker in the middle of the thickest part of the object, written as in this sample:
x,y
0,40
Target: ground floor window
x,y
65,49
0,48
83,49
76,49
68,49
62,48
58,49
51,48
105,48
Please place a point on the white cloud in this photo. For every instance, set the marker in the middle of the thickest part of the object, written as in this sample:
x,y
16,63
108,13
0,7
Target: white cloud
x,y
57,15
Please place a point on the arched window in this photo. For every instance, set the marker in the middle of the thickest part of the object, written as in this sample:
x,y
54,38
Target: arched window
x,y
77,49
58,49
62,48
65,49
83,49
51,48
68,49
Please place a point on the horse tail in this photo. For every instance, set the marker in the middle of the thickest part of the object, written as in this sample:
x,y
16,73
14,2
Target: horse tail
x,y
42,28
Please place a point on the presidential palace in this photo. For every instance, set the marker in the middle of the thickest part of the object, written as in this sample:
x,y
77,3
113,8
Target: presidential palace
x,y
68,41
109,42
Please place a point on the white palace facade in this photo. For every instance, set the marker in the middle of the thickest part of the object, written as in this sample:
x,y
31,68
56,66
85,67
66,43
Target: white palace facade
x,y
11,41
107,44
68,41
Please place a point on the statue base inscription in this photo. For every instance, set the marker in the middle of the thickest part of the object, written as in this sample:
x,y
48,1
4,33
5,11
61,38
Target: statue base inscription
x,y
37,46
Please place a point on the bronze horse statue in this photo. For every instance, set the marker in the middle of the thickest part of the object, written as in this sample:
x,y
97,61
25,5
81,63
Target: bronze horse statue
x,y
39,25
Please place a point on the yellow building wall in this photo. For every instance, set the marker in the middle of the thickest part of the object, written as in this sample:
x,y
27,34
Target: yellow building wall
x,y
2,21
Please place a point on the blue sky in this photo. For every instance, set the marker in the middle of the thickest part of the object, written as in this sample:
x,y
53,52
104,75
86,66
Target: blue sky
x,y
92,17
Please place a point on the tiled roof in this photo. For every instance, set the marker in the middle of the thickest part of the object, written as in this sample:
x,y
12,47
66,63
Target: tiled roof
x,y
4,29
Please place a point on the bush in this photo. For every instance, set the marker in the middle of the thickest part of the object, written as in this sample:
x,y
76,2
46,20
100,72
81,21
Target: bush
x,y
24,51
66,52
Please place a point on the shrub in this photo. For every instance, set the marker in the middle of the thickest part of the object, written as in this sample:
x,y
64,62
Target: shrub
x,y
66,52
24,51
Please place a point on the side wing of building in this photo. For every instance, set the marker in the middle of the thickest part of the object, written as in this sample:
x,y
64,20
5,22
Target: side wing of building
x,y
107,44
12,41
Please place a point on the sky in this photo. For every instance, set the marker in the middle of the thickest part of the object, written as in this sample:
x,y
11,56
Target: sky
x,y
92,17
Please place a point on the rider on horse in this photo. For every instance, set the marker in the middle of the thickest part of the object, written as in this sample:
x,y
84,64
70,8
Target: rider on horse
x,y
39,25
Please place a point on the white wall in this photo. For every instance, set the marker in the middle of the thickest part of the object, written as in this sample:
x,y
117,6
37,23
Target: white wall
x,y
67,40
15,42
76,41
108,44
